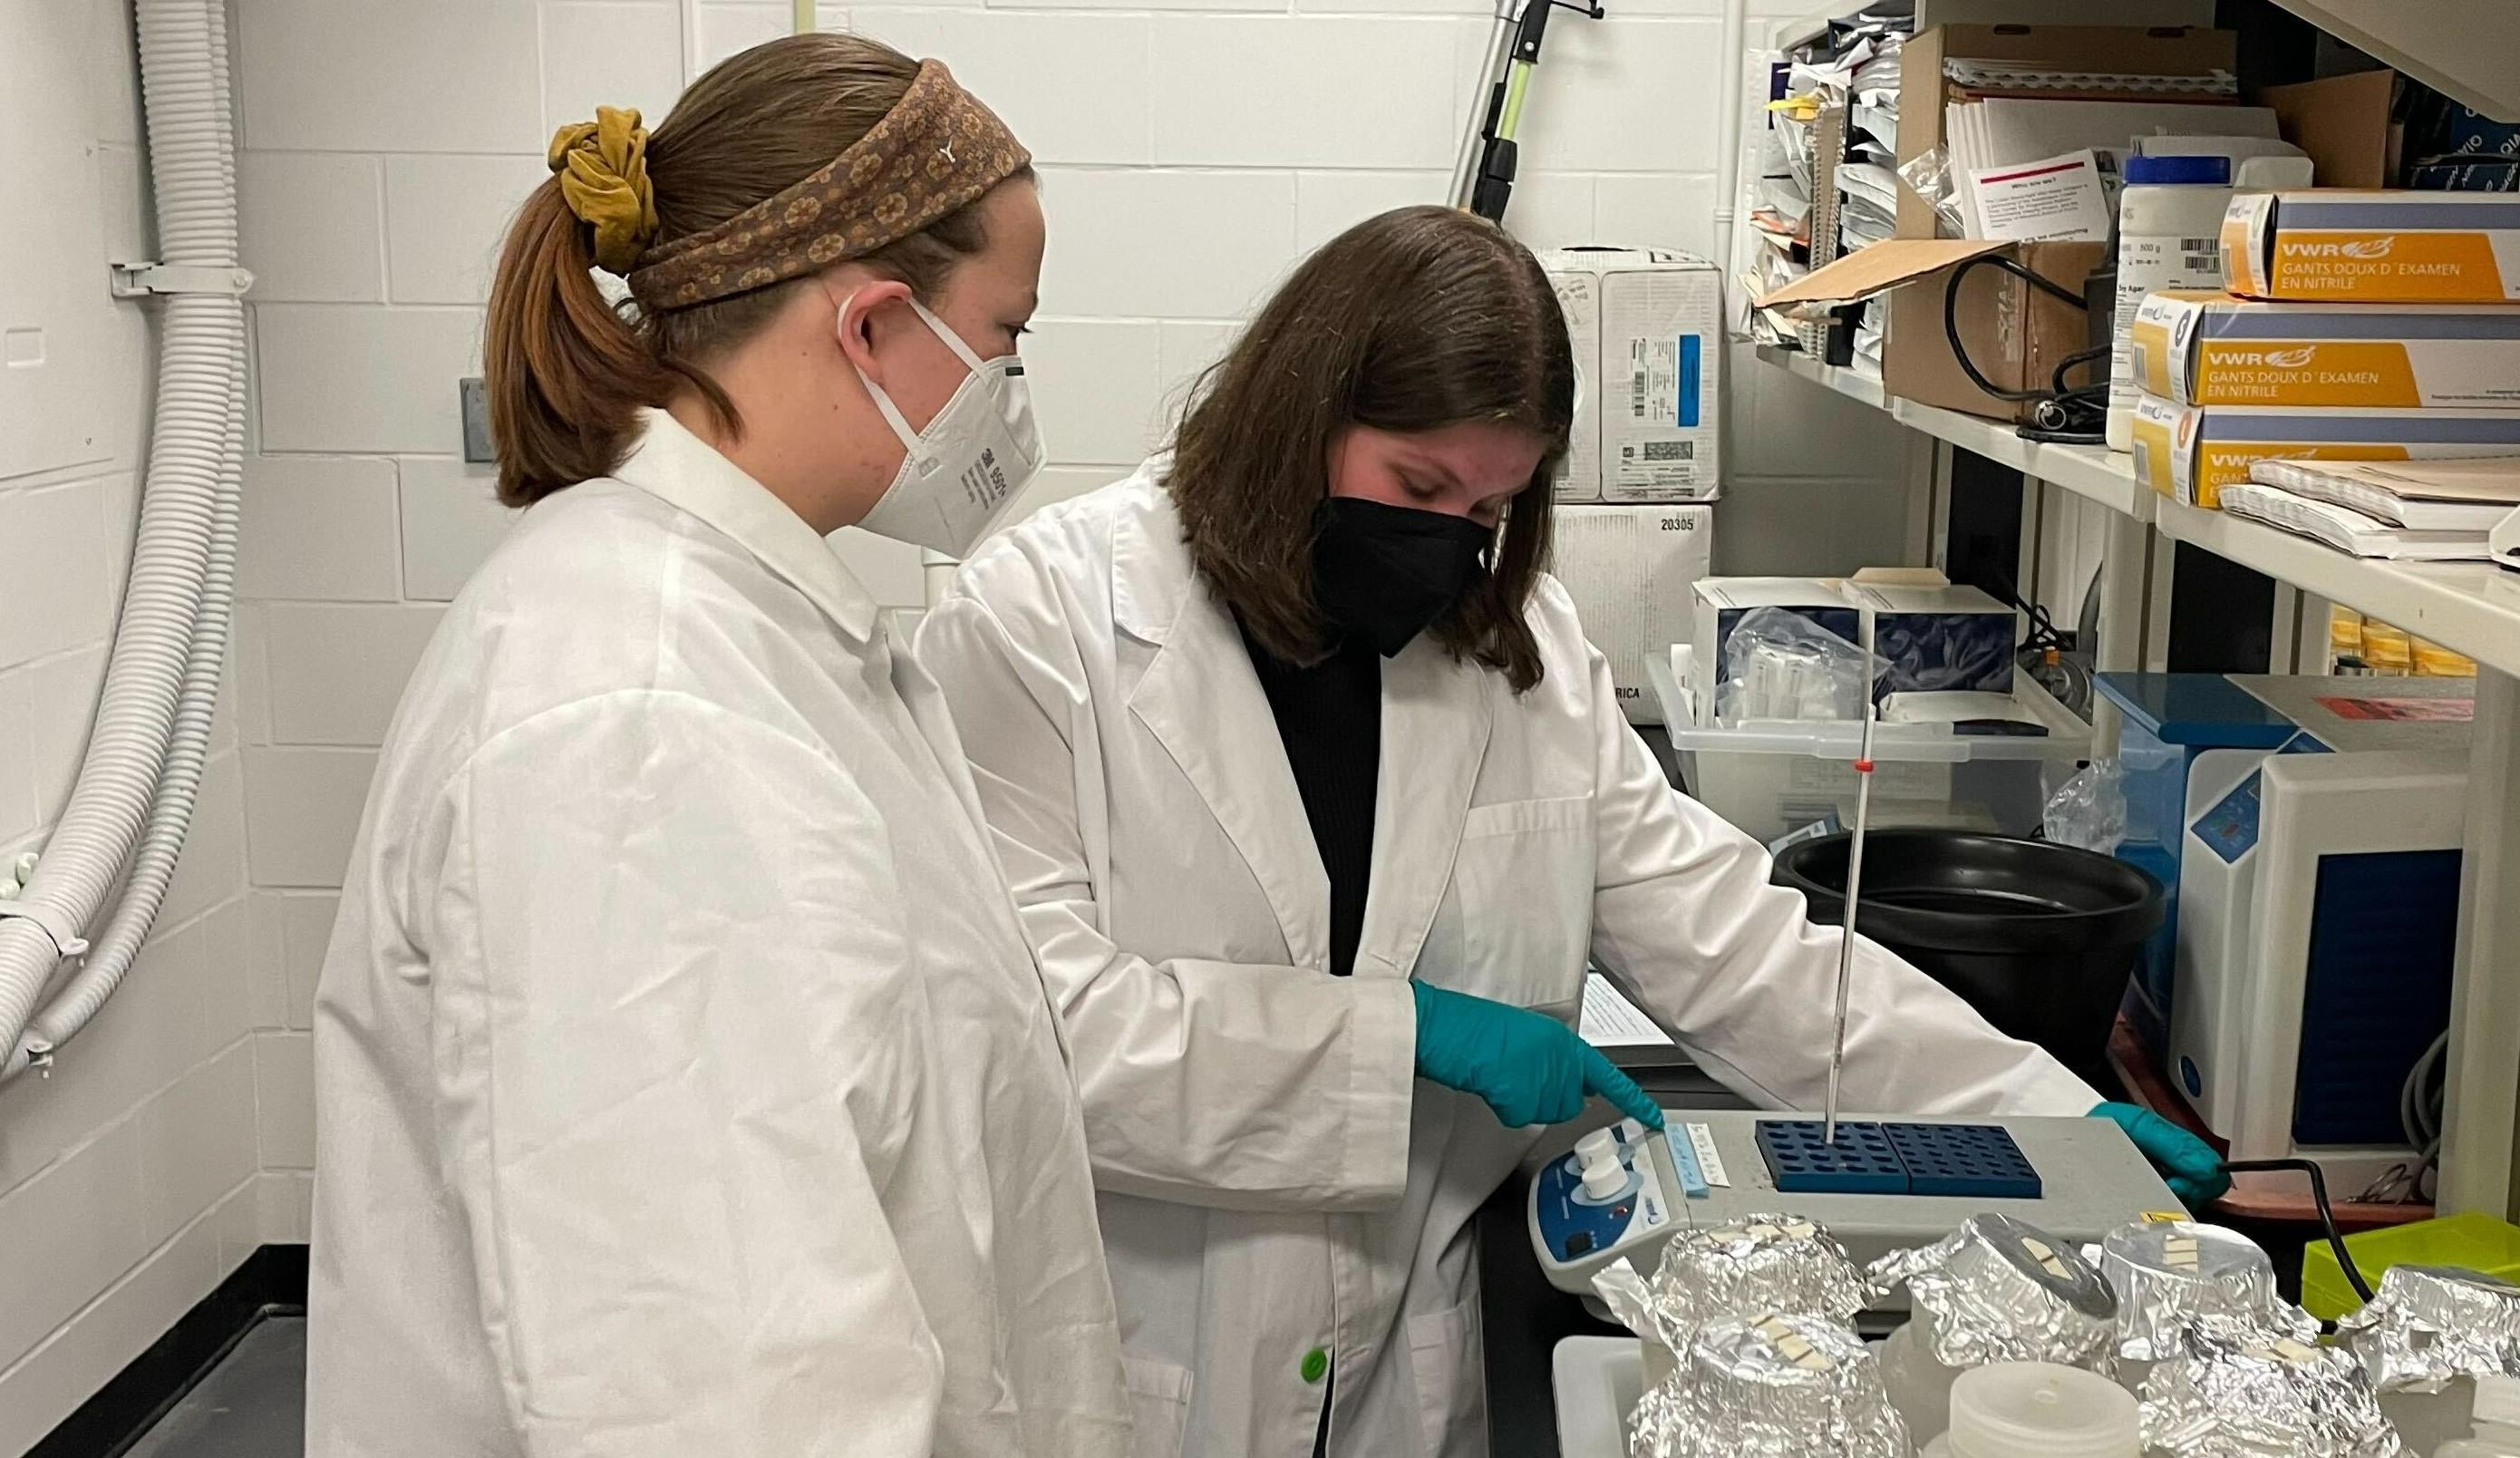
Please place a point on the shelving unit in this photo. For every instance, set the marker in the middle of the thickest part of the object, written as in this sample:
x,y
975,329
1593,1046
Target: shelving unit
x,y
2088,471
2473,608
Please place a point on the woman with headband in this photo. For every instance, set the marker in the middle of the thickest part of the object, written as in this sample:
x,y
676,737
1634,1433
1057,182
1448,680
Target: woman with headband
x,y
684,1082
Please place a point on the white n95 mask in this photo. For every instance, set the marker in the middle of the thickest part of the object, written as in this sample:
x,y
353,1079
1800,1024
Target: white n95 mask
x,y
963,472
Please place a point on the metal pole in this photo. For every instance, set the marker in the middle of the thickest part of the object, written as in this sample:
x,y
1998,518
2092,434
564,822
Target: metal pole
x,y
1854,889
1466,165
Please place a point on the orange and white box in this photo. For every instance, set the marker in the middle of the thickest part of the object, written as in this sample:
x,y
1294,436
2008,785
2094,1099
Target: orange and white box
x,y
2333,245
2199,349
2190,452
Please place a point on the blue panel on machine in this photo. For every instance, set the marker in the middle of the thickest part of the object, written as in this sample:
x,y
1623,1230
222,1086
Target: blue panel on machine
x,y
1860,1162
1976,1162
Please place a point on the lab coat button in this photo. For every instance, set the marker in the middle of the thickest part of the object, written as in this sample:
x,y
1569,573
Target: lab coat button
x,y
1316,1366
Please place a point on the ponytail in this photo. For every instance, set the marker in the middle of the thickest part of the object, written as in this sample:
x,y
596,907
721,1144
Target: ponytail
x,y
566,374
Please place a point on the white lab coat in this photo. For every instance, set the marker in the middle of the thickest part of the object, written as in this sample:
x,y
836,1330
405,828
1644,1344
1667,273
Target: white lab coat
x,y
1273,1179
684,1082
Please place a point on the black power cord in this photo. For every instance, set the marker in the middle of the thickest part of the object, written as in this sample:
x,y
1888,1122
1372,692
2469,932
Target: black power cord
x,y
2327,1211
2071,413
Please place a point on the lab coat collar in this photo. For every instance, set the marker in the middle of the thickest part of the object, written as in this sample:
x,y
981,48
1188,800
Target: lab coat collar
x,y
1202,699
1152,575
687,472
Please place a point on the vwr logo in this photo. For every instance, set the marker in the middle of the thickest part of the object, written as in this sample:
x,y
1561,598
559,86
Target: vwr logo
x,y
2271,359
2369,247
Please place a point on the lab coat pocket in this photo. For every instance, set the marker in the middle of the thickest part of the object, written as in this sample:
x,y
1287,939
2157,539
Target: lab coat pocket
x,y
1158,1406
1521,903
1450,1363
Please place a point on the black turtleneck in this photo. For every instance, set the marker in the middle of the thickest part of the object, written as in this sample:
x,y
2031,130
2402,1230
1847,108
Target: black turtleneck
x,y
1330,718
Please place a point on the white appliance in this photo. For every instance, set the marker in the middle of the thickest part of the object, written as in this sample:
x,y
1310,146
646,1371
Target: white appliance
x,y
2318,897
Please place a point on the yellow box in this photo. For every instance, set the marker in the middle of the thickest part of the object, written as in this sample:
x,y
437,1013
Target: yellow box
x,y
2327,245
2190,452
2200,349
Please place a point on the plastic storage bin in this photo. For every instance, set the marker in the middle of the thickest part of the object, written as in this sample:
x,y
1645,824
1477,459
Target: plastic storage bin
x,y
1772,777
2472,1241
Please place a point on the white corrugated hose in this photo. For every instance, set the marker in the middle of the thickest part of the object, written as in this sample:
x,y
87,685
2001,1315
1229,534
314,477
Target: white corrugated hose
x,y
133,801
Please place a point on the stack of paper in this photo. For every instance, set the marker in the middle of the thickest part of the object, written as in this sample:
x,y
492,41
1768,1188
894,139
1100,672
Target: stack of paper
x,y
2006,132
2349,530
2024,76
2472,495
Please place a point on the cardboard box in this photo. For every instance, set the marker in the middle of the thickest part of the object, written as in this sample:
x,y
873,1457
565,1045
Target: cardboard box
x,y
2346,123
2169,51
1632,572
2373,246
1579,474
2198,348
2190,452
2015,334
1658,372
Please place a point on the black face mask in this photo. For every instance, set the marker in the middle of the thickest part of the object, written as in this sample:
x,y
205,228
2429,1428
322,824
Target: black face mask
x,y
1384,572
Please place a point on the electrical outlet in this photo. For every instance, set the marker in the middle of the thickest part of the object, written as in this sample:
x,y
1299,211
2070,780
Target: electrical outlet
x,y
473,398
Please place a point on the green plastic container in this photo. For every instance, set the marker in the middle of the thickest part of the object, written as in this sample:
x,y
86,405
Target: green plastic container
x,y
2473,1242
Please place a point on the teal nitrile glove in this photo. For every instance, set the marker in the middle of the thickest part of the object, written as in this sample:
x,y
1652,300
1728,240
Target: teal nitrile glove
x,y
2187,1163
1530,1068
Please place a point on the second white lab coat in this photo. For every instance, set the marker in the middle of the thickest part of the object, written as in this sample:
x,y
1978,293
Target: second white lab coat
x,y
684,1082
1274,1180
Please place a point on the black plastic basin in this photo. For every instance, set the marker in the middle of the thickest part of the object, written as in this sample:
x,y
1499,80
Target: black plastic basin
x,y
2038,938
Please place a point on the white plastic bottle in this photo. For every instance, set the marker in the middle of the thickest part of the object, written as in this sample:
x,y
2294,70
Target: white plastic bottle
x,y
2497,1434
2038,1410
2169,227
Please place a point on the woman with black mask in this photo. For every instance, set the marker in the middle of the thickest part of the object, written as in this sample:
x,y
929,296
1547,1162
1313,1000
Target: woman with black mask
x,y
1317,804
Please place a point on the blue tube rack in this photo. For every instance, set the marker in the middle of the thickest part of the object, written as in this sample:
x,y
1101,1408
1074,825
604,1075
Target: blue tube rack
x,y
1969,1161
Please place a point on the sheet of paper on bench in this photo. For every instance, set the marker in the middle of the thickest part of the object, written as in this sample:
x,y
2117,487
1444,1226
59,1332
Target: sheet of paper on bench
x,y
1610,1020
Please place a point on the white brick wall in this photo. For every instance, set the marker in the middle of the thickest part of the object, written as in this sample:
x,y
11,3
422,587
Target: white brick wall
x,y
128,1179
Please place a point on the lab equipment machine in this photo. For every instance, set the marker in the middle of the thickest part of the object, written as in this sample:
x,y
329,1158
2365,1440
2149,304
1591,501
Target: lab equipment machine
x,y
2311,829
2321,896
1884,1184
2172,723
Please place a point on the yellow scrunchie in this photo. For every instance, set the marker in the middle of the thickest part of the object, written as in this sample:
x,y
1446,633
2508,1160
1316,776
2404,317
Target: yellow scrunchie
x,y
603,167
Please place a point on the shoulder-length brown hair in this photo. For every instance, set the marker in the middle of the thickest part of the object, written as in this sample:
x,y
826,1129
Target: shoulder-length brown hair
x,y
1416,320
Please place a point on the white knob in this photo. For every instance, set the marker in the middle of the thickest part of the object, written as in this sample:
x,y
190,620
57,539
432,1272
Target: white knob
x,y
1604,1180
1601,1144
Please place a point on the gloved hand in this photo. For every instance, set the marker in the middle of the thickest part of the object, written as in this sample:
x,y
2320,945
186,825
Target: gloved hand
x,y
2187,1163
1530,1068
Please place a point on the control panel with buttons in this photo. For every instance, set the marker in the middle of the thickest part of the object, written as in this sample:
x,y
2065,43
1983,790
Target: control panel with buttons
x,y
1612,1193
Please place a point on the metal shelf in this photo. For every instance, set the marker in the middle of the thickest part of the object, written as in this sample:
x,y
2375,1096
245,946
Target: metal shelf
x,y
2469,607
2089,471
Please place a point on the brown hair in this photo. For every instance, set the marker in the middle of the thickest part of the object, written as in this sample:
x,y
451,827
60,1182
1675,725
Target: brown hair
x,y
1419,319
567,371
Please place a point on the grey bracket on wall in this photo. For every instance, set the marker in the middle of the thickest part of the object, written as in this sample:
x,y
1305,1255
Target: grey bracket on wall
x,y
473,400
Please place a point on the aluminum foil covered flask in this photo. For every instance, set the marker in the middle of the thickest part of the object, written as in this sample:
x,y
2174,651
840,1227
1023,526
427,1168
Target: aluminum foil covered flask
x,y
2429,1325
1996,1289
1774,1385
1763,1263
2263,1397
2171,1277
2425,1339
